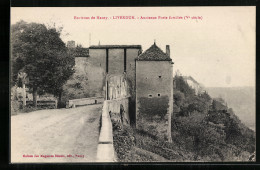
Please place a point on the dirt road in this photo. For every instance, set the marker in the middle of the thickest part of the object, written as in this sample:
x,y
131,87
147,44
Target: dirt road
x,y
57,135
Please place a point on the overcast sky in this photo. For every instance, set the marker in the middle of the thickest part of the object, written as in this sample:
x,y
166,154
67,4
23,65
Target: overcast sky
x,y
217,50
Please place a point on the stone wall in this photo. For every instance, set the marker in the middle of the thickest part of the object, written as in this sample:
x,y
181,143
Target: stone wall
x,y
105,149
118,97
96,72
96,79
116,61
130,72
119,110
84,101
98,57
95,67
154,97
80,63
116,86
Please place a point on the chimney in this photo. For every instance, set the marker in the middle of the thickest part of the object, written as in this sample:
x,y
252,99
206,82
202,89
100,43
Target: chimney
x,y
168,50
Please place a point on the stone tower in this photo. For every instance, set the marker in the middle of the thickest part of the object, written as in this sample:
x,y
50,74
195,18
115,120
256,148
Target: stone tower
x,y
154,92
71,44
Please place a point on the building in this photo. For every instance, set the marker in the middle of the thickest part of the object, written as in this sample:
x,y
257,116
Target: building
x,y
149,82
115,59
71,44
154,91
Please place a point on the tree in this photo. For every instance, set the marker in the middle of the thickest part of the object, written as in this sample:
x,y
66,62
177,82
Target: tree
x,y
178,101
42,55
218,105
182,86
178,98
202,135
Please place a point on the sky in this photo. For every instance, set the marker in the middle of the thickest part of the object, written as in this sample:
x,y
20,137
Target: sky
x,y
217,49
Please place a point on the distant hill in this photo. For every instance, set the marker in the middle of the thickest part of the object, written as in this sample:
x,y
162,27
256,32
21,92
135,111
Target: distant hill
x,y
240,99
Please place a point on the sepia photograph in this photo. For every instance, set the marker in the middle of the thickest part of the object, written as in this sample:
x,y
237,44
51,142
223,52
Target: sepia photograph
x,y
132,84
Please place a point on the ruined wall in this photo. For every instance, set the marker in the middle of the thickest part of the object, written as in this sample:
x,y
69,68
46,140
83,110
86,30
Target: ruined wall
x,y
117,65
116,86
119,110
154,97
118,97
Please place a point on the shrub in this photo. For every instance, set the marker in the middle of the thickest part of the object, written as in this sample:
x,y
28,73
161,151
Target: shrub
x,y
123,142
150,107
123,137
15,106
158,146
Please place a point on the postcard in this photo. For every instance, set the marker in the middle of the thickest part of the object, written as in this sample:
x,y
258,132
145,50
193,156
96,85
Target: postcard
x,y
132,84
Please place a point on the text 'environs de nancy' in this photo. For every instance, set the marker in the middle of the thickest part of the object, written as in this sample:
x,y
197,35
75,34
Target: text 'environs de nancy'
x,y
134,17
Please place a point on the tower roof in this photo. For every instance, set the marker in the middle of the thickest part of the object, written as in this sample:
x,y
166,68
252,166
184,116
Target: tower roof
x,y
154,53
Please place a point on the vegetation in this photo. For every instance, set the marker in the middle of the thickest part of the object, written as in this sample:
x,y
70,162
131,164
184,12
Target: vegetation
x,y
39,52
203,129
240,99
154,106
123,138
207,127
77,86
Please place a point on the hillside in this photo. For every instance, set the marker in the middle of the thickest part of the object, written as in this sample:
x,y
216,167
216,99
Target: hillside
x,y
240,99
202,129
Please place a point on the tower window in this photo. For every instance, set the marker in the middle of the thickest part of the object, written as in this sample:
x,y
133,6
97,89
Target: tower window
x,y
150,95
159,94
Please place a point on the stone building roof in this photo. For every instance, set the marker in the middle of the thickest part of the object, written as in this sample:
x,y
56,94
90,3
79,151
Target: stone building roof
x,y
154,53
114,46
